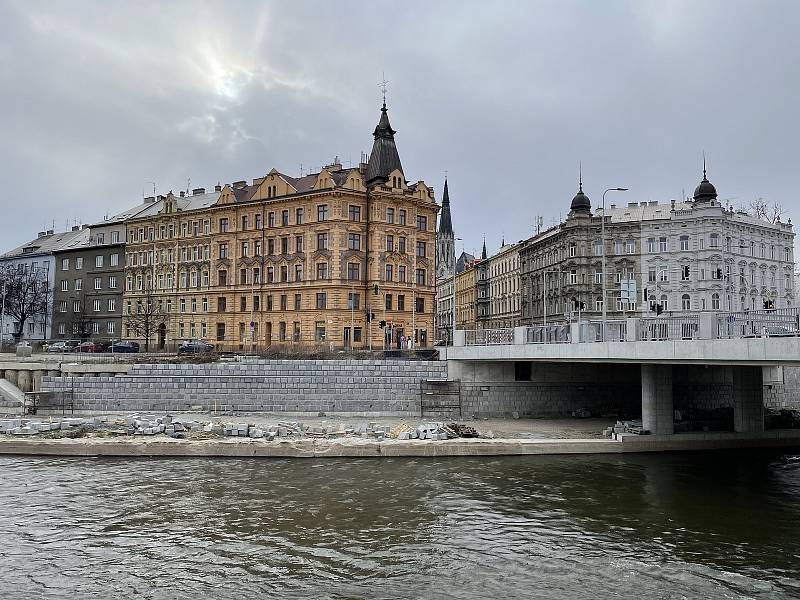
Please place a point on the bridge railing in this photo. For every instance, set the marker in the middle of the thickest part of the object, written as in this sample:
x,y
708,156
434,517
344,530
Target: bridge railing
x,y
778,322
548,334
489,337
592,330
683,327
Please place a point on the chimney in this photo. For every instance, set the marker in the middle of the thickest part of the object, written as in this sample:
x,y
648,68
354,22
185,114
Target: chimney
x,y
50,232
613,206
42,234
75,228
197,191
218,187
162,197
149,199
239,184
182,193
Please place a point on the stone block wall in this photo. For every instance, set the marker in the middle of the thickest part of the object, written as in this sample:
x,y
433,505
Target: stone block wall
x,y
369,387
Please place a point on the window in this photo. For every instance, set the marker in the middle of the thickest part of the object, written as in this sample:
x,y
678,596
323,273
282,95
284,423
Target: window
x,y
389,273
663,274
598,277
662,244
270,274
285,217
298,244
220,332
269,302
420,276
271,219
65,264
388,300
422,223
401,245
390,216
402,216
630,246
284,273
284,246
223,250
420,304
573,277
258,221
65,285
223,226
401,302
98,261
421,249
62,306
182,305
322,241
353,271
96,305
390,243
651,275
354,212
322,212
685,273
714,301
319,331
222,277
686,303
222,304
598,248
114,260
205,305
62,329
98,283
353,241
112,304
618,246
270,247
353,301
322,270
298,272
356,334
702,241
401,273
76,306
298,301
684,242
651,244
298,216
322,300
245,249
194,305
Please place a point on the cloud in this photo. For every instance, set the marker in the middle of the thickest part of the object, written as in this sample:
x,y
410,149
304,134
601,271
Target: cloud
x,y
100,97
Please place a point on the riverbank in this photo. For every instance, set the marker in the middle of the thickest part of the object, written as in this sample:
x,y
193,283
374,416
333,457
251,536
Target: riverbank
x,y
366,448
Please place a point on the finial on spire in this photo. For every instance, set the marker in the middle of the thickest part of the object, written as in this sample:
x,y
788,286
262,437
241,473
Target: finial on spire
x,y
580,176
704,165
383,85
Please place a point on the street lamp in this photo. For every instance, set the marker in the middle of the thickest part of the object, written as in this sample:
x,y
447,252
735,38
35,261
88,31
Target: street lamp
x,y
603,244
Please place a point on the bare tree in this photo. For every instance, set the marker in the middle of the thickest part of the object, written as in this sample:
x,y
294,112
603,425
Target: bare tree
x,y
764,210
82,319
27,294
146,316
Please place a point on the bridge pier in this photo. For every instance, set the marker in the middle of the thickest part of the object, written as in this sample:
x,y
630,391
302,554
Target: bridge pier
x,y
748,399
657,404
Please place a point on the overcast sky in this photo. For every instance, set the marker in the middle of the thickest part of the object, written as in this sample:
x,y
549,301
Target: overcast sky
x,y
100,98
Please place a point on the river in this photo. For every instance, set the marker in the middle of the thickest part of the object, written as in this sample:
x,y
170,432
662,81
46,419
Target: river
x,y
684,525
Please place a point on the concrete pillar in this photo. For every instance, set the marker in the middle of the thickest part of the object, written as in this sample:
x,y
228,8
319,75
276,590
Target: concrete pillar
x,y
460,337
24,380
631,331
520,335
707,327
37,380
11,375
748,399
657,410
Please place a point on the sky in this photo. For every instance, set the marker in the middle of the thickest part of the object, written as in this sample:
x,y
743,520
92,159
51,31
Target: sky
x,y
101,99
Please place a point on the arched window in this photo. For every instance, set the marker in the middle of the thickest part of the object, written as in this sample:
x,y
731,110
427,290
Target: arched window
x,y
663,302
686,303
714,301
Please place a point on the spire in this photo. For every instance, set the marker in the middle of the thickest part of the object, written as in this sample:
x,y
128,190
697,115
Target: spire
x,y
580,203
384,157
445,221
580,177
705,191
483,253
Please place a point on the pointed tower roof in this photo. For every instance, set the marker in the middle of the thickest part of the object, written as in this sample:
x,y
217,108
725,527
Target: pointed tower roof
x,y
580,203
445,222
706,190
483,253
384,157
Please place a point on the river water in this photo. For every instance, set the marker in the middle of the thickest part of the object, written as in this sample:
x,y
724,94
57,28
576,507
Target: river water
x,y
713,525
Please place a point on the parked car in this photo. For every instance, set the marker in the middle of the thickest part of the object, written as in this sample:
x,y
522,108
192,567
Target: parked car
x,y
125,346
779,331
89,347
195,346
62,346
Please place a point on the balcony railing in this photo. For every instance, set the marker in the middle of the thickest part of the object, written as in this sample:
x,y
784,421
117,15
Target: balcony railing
x,y
489,337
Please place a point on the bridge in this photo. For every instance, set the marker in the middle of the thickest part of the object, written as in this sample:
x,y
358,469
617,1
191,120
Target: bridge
x,y
710,371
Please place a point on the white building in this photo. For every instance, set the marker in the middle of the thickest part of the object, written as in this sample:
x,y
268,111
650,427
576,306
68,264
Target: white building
x,y
505,309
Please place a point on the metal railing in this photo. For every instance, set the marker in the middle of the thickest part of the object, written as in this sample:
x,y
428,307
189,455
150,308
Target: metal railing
x,y
547,334
683,327
489,337
779,322
592,331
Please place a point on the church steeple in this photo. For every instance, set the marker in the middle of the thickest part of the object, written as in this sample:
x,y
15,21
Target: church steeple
x,y
384,157
445,221
483,253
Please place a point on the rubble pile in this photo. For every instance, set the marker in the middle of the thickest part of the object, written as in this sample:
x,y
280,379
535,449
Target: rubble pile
x,y
177,428
634,426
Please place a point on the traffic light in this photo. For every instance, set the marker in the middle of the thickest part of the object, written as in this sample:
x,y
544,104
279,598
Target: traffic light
x,y
769,304
719,273
659,309
382,324
375,290
370,316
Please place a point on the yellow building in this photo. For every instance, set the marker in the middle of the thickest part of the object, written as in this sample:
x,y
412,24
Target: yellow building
x,y
291,260
466,298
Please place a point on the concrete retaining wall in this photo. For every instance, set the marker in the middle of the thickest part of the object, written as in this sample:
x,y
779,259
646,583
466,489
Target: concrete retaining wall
x,y
371,388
